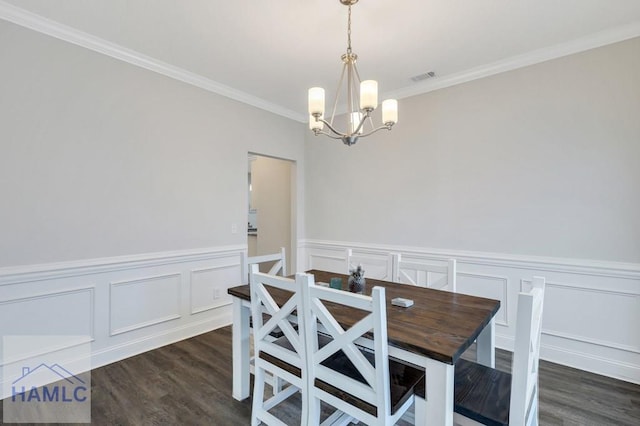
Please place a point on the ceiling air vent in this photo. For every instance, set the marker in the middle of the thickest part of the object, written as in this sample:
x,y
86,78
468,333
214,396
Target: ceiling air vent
x,y
424,76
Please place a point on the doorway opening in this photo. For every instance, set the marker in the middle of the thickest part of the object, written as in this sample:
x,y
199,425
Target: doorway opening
x,y
271,209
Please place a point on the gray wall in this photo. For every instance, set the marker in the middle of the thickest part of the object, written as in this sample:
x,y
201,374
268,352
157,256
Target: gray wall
x,y
538,161
100,158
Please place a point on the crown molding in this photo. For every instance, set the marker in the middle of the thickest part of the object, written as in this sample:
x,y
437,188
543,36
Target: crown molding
x,y
55,29
593,41
38,23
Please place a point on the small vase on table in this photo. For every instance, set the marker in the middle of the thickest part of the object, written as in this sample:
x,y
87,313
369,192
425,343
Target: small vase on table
x,y
356,280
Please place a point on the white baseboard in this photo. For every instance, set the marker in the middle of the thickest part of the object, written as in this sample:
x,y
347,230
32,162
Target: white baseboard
x,y
144,344
584,361
150,342
580,360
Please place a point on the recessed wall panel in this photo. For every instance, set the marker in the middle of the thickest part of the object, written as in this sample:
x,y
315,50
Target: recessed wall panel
x,y
489,286
144,302
63,313
374,266
588,314
327,263
209,286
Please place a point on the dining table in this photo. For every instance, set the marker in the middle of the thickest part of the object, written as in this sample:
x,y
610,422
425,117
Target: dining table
x,y
432,333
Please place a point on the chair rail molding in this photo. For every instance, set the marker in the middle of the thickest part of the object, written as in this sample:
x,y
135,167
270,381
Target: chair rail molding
x,y
552,264
592,307
37,272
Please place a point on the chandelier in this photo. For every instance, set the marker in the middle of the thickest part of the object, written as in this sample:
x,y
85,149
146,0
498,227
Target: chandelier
x,y
366,91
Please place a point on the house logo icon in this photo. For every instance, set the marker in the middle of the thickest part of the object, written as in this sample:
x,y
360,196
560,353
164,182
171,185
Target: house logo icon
x,y
47,379
63,386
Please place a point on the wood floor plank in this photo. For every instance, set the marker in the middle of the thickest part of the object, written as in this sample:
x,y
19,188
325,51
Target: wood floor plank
x,y
189,383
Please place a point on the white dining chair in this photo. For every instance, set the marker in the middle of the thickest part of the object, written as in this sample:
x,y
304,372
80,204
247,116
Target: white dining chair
x,y
488,396
376,266
278,266
279,260
440,275
283,357
360,384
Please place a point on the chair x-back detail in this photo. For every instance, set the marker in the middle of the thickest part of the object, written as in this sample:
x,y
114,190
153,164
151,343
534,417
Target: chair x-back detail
x,y
283,357
487,396
376,266
279,266
359,383
441,276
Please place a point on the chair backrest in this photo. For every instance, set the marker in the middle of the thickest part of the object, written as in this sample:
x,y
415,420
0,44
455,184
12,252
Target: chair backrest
x,y
526,356
441,276
279,267
319,303
376,266
268,316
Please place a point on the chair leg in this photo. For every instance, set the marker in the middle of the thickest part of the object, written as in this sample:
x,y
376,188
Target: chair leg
x,y
304,416
420,410
534,412
277,384
313,412
258,395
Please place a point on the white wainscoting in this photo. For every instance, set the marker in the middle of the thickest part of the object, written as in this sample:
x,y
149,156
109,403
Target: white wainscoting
x,y
592,309
123,306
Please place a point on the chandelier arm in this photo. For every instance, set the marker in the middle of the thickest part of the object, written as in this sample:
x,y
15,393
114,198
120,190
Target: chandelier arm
x,y
335,102
329,135
355,68
371,121
364,118
383,127
354,86
332,129
350,87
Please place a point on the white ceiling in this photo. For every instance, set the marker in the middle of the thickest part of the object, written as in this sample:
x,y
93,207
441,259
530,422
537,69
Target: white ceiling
x,y
268,52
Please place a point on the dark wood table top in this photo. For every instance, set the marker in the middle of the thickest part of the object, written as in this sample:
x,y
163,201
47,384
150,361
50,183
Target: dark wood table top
x,y
440,324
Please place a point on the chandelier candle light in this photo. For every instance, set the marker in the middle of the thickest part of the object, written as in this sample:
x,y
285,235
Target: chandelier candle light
x,y
366,90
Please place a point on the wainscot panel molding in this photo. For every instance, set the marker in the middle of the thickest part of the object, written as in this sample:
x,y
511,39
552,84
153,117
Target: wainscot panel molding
x,y
125,312
592,308
209,287
123,305
50,313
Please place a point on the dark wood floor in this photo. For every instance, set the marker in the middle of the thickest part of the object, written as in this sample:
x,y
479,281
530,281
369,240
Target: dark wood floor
x,y
189,383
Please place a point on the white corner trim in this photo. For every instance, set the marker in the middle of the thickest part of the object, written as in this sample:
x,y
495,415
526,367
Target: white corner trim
x,y
533,57
55,29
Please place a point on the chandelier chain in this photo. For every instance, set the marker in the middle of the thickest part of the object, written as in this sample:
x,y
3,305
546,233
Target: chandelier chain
x,y
349,31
